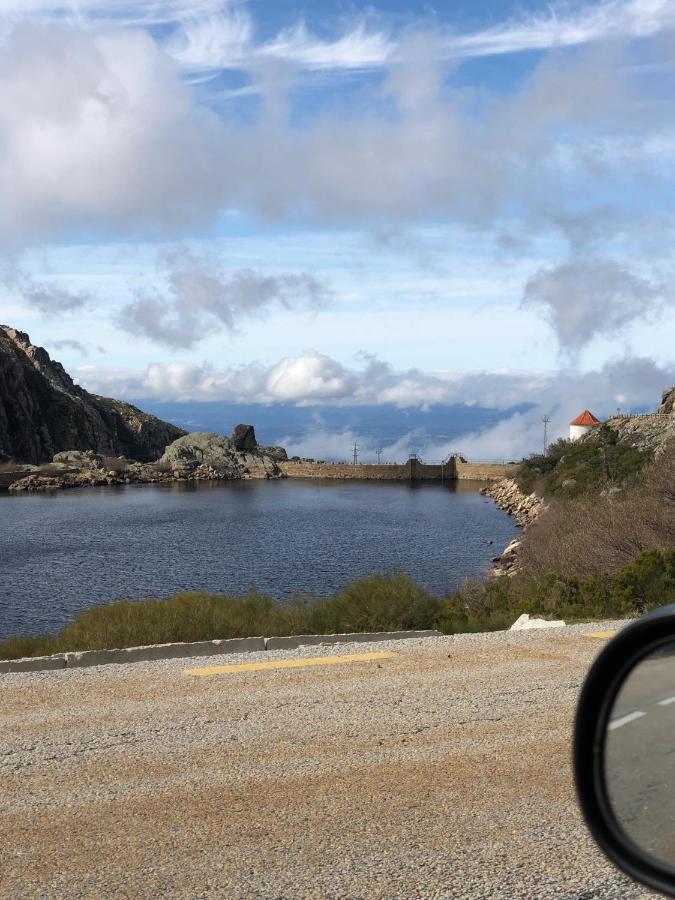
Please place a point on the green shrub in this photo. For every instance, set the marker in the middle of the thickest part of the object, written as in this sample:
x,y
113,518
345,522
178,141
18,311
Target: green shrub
x,y
587,465
377,603
646,583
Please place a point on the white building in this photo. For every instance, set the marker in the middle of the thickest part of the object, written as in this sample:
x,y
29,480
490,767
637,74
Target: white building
x,y
583,423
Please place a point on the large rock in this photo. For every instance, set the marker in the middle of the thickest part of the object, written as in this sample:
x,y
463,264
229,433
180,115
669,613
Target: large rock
x,y
278,454
243,437
203,448
79,459
43,412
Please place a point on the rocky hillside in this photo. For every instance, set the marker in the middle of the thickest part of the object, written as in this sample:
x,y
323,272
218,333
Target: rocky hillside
x,y
42,412
649,431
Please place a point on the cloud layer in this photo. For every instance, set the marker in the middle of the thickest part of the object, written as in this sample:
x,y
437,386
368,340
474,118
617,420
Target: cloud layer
x,y
314,378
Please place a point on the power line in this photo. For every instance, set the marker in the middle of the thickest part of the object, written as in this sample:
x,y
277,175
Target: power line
x,y
545,420
356,454
379,453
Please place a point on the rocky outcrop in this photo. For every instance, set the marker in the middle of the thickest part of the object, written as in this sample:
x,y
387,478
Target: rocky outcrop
x,y
134,473
79,459
278,454
646,432
649,431
221,453
43,412
525,508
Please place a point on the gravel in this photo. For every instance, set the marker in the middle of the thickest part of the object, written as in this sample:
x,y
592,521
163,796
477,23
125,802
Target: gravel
x,y
441,772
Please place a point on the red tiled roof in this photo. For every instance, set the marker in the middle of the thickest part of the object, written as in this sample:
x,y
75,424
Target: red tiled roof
x,y
585,418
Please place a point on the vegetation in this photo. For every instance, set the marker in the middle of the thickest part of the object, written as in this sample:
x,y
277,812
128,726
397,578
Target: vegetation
x,y
578,468
603,532
646,583
377,603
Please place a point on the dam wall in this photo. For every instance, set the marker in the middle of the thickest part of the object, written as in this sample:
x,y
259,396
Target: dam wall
x,y
413,470
468,471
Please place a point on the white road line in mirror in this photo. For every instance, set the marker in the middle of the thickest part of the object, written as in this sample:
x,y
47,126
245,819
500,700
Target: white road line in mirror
x,y
624,720
666,702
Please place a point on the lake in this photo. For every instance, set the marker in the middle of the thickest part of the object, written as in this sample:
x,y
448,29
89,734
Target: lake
x,y
65,551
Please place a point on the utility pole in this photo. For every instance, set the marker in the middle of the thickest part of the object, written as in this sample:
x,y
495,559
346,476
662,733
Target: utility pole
x,y
379,453
356,454
545,420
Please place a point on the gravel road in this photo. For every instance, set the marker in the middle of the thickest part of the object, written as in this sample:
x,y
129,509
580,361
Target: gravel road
x,y
442,771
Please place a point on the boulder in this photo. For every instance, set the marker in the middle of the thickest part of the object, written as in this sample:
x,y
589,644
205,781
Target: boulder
x,y
524,623
243,438
79,459
198,448
278,454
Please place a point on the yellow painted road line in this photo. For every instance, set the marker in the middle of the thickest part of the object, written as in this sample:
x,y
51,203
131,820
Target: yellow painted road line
x,y
601,635
288,663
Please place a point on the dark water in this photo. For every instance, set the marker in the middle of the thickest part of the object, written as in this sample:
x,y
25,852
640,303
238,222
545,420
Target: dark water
x,y
62,552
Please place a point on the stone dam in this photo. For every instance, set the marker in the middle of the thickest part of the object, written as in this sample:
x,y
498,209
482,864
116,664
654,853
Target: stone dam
x,y
453,469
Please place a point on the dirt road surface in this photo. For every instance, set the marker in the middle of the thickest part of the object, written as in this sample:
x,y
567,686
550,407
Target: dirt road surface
x,y
441,770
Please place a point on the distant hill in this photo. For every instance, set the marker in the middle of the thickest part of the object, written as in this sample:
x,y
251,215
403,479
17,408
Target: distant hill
x,y
42,412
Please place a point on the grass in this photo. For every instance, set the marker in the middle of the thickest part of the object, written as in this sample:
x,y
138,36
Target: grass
x,y
378,603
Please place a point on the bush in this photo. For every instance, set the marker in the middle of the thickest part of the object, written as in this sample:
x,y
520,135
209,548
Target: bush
x,y
646,583
604,533
116,464
586,466
377,603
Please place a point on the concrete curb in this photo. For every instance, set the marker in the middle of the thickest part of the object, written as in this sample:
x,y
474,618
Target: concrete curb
x,y
292,642
152,652
34,664
163,651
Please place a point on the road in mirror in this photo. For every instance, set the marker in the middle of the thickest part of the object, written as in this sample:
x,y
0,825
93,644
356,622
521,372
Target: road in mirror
x,y
640,754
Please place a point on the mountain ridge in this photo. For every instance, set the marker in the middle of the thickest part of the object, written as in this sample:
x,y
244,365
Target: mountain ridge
x,y
43,411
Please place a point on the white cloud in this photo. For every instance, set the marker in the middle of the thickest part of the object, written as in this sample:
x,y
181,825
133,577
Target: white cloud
x,y
220,41
313,378
356,49
100,133
216,34
609,20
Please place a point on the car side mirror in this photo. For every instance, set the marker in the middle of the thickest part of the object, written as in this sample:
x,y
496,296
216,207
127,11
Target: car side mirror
x,y
624,750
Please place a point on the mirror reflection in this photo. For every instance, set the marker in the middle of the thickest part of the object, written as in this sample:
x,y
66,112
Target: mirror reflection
x,y
640,754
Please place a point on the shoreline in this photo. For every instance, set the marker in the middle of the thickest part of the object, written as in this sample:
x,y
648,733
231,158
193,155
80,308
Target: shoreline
x,y
525,509
32,479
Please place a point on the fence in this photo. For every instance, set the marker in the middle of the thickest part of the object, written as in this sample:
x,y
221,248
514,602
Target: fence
x,y
655,415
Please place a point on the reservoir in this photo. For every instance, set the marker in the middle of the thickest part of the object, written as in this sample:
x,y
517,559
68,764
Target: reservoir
x,y
68,550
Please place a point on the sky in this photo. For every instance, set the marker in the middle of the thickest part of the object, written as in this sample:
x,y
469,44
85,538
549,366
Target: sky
x,y
396,206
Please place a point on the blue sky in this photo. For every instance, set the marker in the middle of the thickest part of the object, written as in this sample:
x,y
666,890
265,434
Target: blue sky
x,y
399,204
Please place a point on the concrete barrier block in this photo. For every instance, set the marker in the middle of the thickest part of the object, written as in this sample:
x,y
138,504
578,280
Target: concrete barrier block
x,y
34,664
163,651
294,641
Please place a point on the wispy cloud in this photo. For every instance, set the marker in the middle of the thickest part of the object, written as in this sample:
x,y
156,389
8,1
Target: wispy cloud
x,y
200,296
212,35
48,297
588,296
